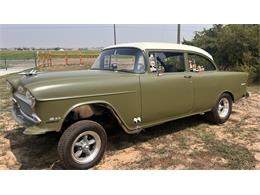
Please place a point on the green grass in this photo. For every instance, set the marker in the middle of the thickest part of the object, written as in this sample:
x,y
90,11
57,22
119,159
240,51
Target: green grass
x,y
26,55
16,55
74,53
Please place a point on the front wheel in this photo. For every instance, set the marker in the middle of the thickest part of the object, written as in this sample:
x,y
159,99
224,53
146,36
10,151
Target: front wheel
x,y
82,145
222,110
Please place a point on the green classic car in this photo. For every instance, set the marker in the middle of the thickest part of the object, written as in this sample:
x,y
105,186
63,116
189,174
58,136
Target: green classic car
x,y
135,85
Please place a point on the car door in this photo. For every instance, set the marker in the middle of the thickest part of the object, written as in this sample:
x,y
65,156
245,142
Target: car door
x,y
169,94
205,82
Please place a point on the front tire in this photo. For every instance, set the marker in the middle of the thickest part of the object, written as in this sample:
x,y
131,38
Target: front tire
x,y
220,113
82,145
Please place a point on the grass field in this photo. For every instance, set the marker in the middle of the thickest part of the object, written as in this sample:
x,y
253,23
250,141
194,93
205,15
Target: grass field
x,y
189,143
16,55
26,55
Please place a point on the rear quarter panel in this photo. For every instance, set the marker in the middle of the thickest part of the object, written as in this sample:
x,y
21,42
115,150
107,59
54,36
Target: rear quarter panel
x,y
208,86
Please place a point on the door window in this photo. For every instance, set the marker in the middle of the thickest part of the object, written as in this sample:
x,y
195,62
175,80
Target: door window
x,y
167,61
198,63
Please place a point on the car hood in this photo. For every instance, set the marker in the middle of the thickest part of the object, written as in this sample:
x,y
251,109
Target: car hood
x,y
67,84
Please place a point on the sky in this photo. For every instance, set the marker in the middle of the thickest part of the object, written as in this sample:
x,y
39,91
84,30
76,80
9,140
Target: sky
x,y
90,35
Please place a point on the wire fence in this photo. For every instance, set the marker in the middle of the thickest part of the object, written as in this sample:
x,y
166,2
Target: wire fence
x,y
65,58
49,60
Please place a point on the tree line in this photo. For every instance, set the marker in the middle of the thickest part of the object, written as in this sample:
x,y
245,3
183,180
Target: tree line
x,y
234,47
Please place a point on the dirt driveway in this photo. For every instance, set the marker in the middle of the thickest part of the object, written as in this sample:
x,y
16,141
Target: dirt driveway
x,y
189,143
15,66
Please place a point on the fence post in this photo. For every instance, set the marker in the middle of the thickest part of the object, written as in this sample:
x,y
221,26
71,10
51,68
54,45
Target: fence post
x,y
5,65
80,58
66,58
38,58
49,59
35,59
44,59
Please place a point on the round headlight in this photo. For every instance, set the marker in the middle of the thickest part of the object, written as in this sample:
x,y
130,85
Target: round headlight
x,y
20,89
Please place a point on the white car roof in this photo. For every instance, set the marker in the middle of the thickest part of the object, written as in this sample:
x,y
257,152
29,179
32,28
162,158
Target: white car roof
x,y
156,45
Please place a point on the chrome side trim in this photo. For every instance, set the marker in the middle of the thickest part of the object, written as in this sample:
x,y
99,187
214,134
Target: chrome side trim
x,y
86,96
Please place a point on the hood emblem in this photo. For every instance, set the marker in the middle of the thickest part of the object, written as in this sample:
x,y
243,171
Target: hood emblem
x,y
31,73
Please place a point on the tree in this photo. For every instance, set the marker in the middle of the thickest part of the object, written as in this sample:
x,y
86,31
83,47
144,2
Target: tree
x,y
57,48
234,46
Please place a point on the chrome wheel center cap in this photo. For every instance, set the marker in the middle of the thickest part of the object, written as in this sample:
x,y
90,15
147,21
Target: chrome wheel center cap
x,y
85,146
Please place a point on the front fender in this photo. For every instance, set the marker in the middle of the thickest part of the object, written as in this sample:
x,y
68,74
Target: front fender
x,y
53,112
116,114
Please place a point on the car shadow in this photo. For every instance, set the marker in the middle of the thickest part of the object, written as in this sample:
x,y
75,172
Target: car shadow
x,y
34,151
40,152
118,139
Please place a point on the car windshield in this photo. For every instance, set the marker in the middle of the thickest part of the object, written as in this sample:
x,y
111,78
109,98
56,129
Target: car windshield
x,y
120,59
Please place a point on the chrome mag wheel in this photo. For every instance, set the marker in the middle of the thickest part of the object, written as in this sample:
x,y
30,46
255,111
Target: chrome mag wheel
x,y
86,147
223,107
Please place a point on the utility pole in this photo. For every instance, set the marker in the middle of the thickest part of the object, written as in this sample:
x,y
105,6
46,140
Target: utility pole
x,y
114,34
178,33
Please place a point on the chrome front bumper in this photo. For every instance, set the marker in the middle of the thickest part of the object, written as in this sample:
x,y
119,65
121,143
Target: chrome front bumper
x,y
22,118
29,122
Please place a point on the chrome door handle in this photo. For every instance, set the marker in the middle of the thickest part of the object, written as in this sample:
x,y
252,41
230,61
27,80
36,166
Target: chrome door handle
x,y
187,76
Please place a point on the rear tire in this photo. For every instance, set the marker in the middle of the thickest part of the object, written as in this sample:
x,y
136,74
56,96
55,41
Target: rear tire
x,y
220,113
82,145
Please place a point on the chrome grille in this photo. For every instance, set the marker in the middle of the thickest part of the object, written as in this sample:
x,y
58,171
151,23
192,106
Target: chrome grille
x,y
23,105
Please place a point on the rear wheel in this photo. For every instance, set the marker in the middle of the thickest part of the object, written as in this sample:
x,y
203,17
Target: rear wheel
x,y
82,145
222,110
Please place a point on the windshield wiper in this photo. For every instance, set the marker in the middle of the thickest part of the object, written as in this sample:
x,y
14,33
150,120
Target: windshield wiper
x,y
101,69
115,70
123,70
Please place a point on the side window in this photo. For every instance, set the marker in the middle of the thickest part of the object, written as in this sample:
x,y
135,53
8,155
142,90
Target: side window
x,y
198,63
167,61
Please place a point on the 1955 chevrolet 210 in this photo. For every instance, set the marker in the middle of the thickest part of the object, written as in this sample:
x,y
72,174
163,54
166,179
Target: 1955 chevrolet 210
x,y
137,85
